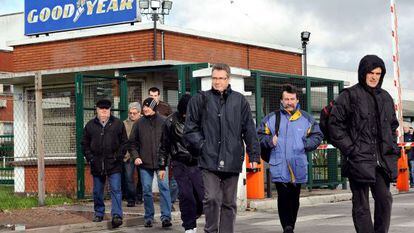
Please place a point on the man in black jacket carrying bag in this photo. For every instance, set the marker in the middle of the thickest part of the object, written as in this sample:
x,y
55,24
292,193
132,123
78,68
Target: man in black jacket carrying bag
x,y
104,146
184,165
218,121
363,127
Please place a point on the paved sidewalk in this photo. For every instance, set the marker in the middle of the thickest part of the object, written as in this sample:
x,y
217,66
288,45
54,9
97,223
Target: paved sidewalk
x,y
133,216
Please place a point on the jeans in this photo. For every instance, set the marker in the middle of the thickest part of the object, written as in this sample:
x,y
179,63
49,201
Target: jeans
x,y
115,191
129,169
220,198
147,176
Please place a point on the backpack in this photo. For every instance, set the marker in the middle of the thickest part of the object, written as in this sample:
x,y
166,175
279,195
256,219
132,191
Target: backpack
x,y
326,113
324,120
265,152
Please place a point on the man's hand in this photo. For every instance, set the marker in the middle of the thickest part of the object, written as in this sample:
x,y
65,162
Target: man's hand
x,y
253,165
138,161
161,174
274,140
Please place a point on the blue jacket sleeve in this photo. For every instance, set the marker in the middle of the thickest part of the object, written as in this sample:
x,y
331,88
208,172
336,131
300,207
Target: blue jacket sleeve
x,y
264,133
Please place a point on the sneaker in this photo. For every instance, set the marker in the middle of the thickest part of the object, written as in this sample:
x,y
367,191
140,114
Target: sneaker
x,y
131,204
166,223
116,221
288,229
148,223
194,230
97,219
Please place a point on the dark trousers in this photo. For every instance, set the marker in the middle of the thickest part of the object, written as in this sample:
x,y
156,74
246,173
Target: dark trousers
x,y
360,205
220,198
190,193
288,203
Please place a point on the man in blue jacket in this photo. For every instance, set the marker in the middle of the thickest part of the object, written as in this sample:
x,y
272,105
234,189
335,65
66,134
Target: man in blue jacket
x,y
298,133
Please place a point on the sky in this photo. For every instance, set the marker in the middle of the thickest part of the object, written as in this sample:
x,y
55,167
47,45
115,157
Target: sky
x,y
342,32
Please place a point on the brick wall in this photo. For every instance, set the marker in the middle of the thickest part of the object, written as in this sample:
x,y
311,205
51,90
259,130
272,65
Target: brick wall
x,y
6,113
107,49
195,49
6,61
58,179
137,46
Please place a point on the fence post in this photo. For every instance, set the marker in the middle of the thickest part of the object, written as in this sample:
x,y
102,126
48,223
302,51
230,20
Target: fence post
x,y
39,140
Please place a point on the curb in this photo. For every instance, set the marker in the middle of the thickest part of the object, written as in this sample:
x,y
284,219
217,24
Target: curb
x,y
271,203
88,227
97,226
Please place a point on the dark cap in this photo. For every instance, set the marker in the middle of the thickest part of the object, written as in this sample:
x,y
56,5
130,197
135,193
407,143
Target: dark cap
x,y
103,103
150,102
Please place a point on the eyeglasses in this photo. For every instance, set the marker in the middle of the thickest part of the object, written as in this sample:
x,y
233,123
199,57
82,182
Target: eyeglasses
x,y
219,78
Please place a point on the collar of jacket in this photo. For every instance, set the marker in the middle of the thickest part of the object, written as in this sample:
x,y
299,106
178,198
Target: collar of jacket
x,y
151,117
293,117
226,92
111,118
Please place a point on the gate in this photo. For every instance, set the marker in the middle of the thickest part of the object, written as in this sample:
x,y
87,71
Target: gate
x,y
89,89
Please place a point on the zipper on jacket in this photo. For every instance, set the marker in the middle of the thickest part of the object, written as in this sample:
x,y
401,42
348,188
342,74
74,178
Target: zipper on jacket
x,y
220,142
102,154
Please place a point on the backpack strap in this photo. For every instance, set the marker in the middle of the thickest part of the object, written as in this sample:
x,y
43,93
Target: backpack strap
x,y
277,122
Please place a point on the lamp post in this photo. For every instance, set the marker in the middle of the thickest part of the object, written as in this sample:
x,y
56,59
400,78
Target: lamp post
x,y
155,8
305,39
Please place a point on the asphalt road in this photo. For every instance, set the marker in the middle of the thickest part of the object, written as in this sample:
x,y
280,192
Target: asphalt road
x,y
322,218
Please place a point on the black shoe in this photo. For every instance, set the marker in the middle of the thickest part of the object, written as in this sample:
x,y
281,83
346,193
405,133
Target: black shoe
x,y
116,221
148,223
139,202
288,229
166,223
97,219
131,204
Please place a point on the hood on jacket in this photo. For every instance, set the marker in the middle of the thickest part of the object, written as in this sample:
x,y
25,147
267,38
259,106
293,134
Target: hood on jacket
x,y
367,64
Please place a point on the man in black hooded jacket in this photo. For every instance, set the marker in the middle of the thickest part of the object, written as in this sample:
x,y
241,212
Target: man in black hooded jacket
x,y
363,127
184,165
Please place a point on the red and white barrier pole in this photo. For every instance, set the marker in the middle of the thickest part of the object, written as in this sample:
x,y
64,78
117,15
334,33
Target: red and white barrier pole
x,y
396,63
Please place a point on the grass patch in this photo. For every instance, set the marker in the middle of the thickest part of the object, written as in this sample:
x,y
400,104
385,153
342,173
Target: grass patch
x,y
8,200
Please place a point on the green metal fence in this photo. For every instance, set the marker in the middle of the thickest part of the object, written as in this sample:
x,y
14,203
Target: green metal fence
x,y
6,156
315,93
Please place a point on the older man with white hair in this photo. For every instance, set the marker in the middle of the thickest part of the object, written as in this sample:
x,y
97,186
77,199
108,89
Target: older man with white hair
x,y
128,186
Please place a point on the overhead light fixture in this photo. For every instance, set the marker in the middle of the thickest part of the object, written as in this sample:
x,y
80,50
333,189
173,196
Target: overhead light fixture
x,y
155,4
305,36
143,4
167,5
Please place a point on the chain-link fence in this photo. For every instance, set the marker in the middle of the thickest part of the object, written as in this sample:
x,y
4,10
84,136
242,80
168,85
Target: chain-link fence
x,y
324,164
58,141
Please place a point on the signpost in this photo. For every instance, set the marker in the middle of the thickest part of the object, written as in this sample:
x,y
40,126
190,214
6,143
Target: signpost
x,y
47,16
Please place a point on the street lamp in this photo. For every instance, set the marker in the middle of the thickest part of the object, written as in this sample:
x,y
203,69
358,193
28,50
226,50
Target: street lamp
x,y
155,8
305,39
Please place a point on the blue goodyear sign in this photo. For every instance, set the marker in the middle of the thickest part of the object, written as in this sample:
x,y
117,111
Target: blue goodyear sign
x,y
44,16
